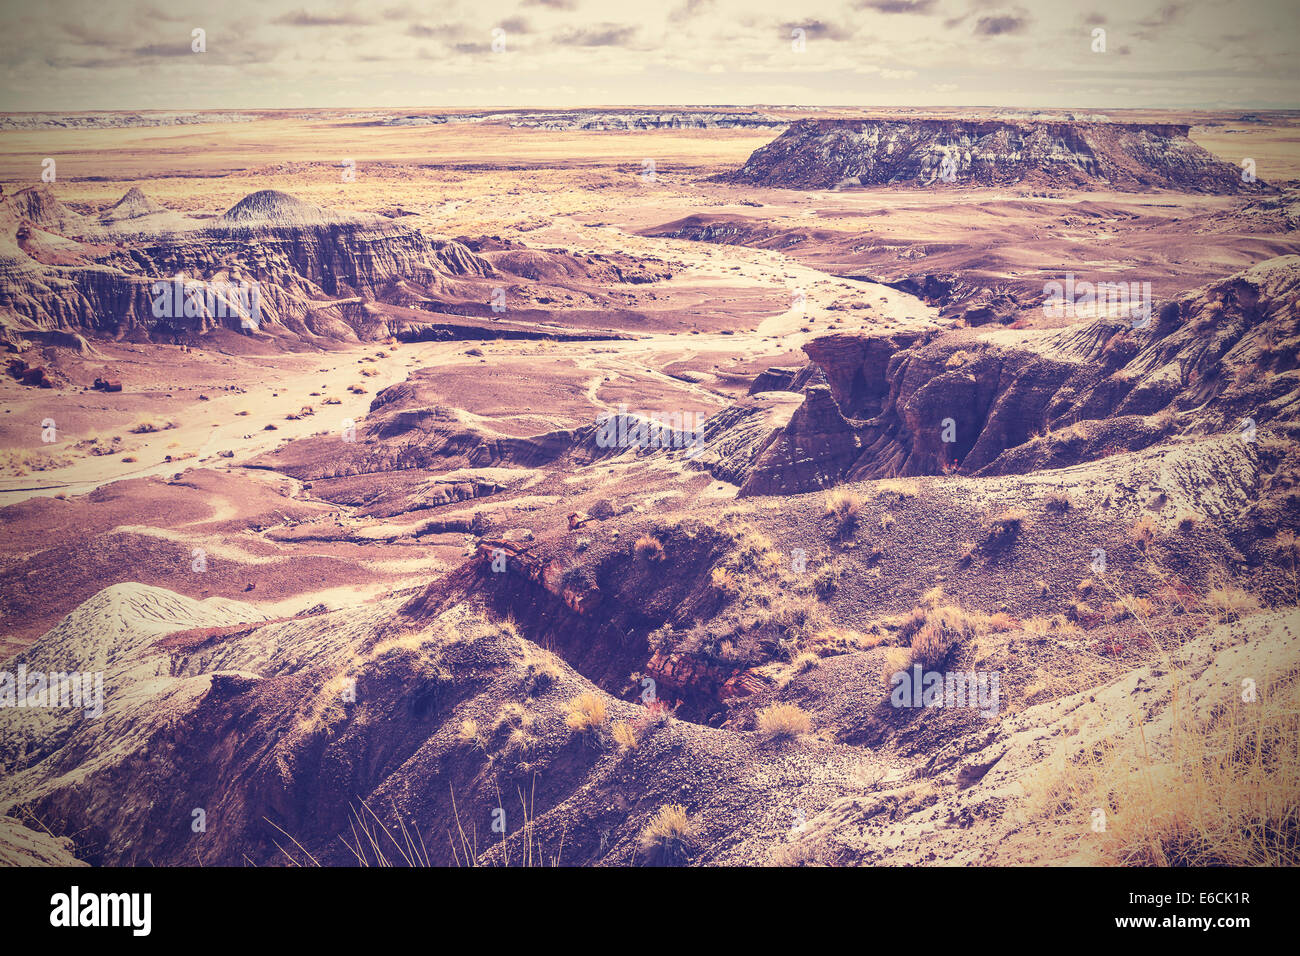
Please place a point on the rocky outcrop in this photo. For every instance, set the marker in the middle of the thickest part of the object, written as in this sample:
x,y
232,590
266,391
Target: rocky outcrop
x,y
271,265
690,677
298,256
777,379
133,205
637,120
821,154
1218,359
115,120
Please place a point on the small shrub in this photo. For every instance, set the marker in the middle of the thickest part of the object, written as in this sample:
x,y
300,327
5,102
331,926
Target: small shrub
x,y
1003,529
669,835
1231,603
827,578
843,504
149,425
624,735
724,581
1142,533
662,639
894,486
587,713
469,733
783,721
1058,502
649,548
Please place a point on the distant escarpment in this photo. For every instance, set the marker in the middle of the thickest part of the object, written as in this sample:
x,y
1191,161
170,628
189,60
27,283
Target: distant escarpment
x,y
822,154
1220,360
272,265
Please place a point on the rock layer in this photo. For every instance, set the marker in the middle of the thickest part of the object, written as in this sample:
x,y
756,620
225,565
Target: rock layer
x,y
821,154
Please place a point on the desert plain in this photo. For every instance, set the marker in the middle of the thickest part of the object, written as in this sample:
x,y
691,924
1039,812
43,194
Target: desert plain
x,y
887,562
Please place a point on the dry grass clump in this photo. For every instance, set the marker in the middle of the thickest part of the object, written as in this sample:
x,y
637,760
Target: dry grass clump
x,y
958,359
1130,606
842,640
19,461
783,721
469,733
649,548
1223,790
541,671
624,735
898,487
587,713
1058,501
1231,603
518,726
843,505
723,580
804,662
828,577
1001,622
1002,529
932,633
944,628
1071,434
147,425
1142,533
669,835
752,547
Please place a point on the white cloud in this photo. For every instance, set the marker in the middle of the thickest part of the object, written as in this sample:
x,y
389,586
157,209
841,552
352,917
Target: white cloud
x,y
85,54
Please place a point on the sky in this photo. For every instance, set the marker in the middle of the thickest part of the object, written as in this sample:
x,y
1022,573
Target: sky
x,y
68,55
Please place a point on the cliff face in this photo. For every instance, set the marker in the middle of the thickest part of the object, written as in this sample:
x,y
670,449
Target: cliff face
x,y
317,271
300,256
1008,402
821,154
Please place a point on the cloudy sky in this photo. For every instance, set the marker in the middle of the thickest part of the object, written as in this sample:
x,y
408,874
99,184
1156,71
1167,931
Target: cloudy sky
x,y
120,54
